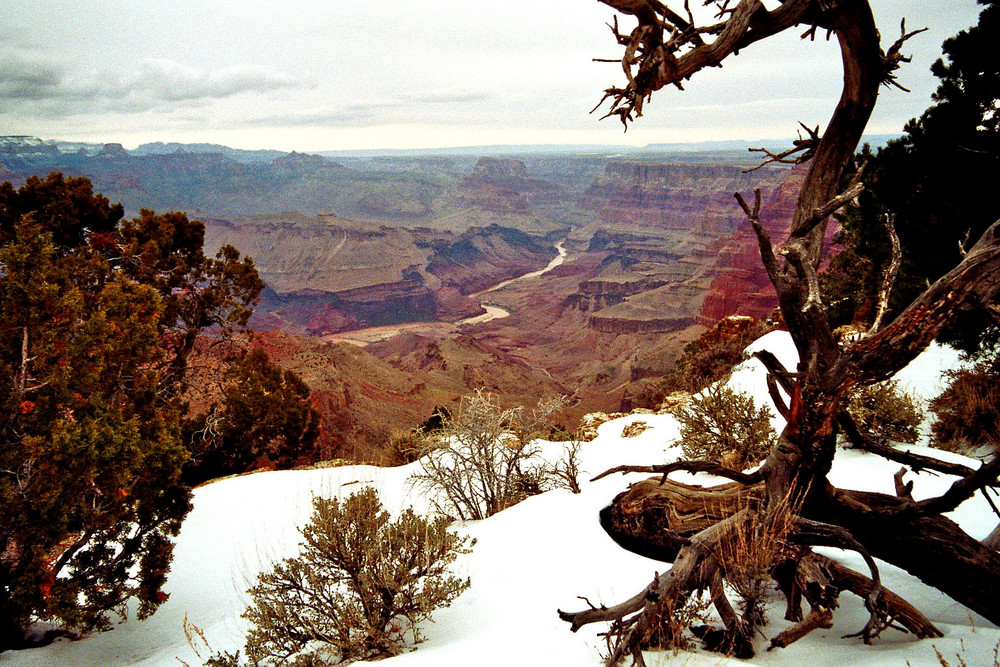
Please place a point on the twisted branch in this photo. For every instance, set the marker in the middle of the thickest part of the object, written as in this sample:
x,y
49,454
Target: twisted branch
x,y
667,49
892,59
709,467
889,279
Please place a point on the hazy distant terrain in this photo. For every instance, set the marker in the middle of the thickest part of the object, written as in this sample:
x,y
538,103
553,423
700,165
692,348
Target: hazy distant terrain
x,y
656,250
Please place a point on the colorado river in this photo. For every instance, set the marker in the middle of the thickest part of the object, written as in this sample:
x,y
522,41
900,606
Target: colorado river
x,y
495,312
363,337
556,261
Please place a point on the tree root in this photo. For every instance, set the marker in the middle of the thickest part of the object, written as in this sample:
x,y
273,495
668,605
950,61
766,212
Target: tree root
x,y
818,617
718,538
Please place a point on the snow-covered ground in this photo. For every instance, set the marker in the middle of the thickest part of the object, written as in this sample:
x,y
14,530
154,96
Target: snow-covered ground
x,y
528,561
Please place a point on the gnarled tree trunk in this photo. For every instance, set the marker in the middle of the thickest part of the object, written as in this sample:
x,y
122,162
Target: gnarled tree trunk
x,y
695,528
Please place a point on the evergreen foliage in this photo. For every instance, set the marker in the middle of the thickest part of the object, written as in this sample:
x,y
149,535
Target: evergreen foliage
x,y
725,426
359,587
232,436
935,183
97,316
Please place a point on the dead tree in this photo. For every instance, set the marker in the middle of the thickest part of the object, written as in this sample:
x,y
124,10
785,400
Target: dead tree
x,y
679,524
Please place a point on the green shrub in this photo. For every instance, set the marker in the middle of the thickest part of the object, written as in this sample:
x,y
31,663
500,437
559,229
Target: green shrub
x,y
884,409
725,426
358,588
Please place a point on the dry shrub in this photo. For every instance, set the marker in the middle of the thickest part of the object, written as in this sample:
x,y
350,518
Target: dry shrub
x,y
960,659
565,473
968,411
484,461
749,557
672,630
358,588
406,447
725,426
884,409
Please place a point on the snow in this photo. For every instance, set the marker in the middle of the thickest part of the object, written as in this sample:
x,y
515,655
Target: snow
x,y
528,561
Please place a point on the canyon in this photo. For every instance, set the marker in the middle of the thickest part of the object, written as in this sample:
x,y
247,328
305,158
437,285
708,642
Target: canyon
x,y
380,268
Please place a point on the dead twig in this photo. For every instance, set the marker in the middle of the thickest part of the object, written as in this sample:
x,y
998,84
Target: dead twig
x,y
889,278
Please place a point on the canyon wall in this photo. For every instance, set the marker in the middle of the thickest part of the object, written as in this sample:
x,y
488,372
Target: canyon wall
x,y
675,245
658,250
326,275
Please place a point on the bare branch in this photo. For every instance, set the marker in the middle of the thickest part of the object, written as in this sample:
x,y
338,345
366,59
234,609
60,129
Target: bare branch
x,y
818,617
822,534
989,501
776,398
797,254
667,49
764,244
993,310
693,568
709,467
903,490
975,281
777,369
962,489
916,462
600,614
892,59
890,274
805,146
963,243
899,609
821,213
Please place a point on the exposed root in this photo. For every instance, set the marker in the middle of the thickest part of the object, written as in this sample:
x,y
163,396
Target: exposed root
x,y
738,548
818,617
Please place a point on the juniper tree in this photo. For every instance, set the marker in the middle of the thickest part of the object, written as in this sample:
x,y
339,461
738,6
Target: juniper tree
x,y
934,183
96,315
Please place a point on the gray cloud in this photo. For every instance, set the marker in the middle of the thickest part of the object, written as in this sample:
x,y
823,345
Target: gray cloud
x,y
333,72
171,81
29,78
422,106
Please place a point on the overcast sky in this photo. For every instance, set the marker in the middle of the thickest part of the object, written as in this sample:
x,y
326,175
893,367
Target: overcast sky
x,y
341,74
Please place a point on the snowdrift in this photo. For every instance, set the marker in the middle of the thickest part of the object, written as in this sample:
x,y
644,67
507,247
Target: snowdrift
x,y
528,561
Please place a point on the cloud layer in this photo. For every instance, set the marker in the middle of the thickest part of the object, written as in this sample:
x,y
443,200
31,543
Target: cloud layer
x,y
320,75
31,82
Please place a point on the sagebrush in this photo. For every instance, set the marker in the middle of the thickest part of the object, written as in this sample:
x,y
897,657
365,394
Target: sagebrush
x,y
725,426
885,410
968,410
357,590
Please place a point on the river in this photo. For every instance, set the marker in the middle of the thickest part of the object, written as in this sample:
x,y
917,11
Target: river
x,y
363,337
556,261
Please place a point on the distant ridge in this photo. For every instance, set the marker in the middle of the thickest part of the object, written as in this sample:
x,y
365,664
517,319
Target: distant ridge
x,y
624,150
240,155
17,143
